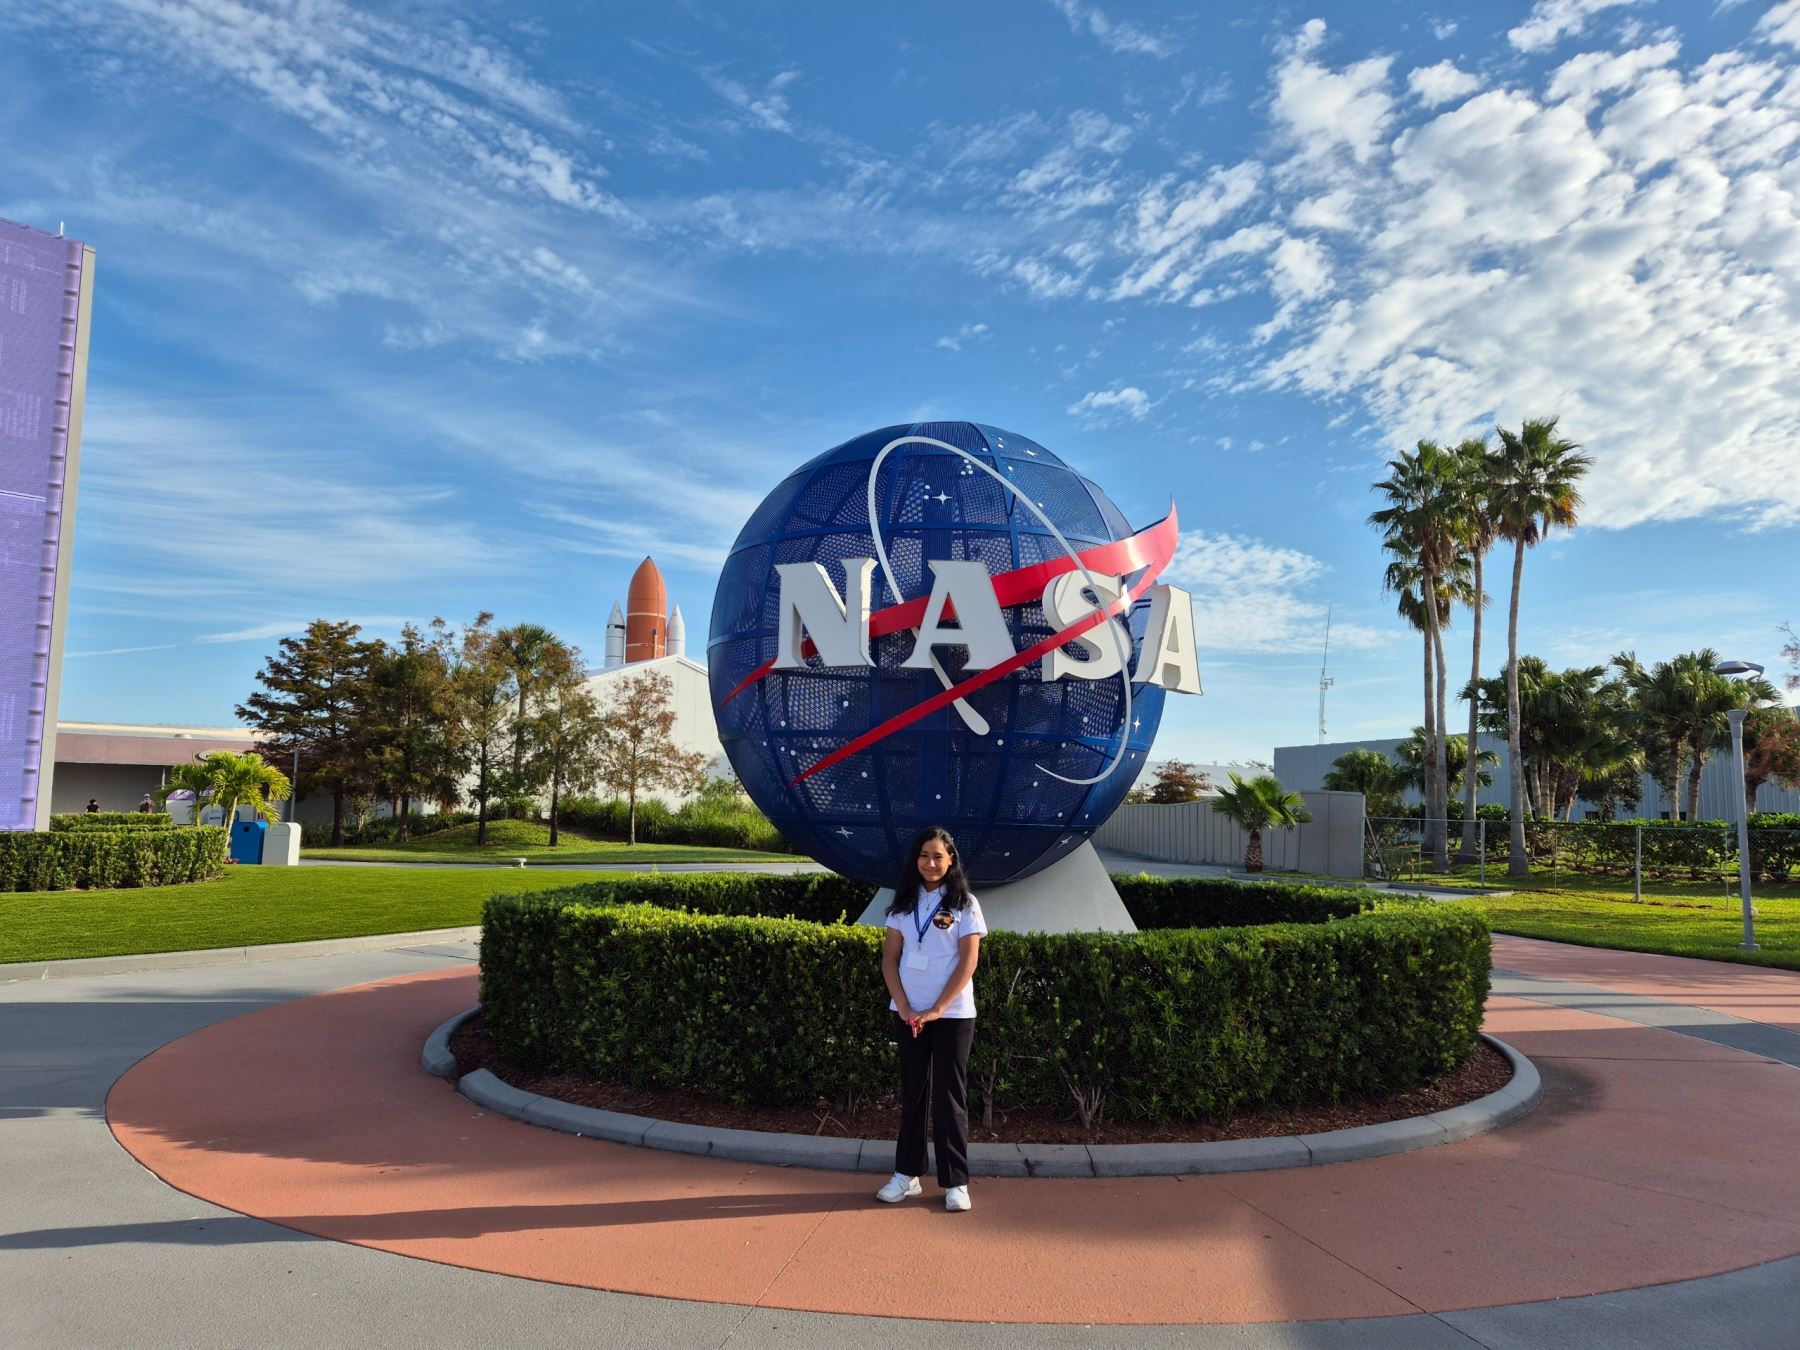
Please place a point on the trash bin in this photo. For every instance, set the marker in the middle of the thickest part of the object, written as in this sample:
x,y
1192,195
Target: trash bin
x,y
247,840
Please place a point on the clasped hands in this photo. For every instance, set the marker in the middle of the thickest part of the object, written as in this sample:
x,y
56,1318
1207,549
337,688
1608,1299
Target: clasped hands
x,y
917,1020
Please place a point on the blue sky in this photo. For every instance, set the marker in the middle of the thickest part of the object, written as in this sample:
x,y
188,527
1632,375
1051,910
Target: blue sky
x,y
424,309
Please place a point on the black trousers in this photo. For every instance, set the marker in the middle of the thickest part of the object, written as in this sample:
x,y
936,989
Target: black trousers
x,y
934,1076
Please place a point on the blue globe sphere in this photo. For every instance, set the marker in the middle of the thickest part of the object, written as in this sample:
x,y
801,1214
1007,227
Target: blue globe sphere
x,y
1002,793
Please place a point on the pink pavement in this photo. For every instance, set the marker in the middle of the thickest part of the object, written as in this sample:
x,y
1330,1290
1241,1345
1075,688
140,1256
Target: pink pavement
x,y
1654,1157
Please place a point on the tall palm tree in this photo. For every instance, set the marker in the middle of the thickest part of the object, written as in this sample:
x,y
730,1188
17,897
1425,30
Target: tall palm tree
x,y
524,647
1474,505
1410,762
1423,517
1534,476
1258,805
1371,773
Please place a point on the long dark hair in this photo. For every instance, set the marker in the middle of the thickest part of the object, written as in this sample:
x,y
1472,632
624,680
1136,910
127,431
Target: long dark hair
x,y
955,885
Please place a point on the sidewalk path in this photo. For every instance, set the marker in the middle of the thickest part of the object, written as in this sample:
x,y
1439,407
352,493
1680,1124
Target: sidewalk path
x,y
1656,1157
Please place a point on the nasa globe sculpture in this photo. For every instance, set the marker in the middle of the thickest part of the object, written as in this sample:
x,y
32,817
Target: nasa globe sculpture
x,y
944,624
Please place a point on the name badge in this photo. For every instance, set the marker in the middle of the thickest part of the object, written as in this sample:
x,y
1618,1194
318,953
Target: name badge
x,y
915,959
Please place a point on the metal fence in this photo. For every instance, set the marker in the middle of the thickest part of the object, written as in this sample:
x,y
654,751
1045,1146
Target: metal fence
x,y
1394,850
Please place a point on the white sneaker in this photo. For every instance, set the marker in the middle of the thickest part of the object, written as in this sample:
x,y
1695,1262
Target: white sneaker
x,y
899,1187
956,1199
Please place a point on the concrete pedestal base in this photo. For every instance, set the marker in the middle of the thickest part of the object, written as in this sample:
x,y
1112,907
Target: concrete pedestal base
x,y
1073,895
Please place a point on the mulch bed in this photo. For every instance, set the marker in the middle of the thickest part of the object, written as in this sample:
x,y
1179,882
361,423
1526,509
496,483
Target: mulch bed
x,y
1487,1071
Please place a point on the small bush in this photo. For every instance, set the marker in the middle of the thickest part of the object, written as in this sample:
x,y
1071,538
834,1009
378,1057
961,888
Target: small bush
x,y
111,820
1173,1023
105,859
714,819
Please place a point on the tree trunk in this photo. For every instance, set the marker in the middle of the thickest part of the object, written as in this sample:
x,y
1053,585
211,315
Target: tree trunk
x,y
1693,785
1470,842
337,818
555,783
1253,859
1440,860
1517,864
401,833
631,815
481,796
1427,830
519,740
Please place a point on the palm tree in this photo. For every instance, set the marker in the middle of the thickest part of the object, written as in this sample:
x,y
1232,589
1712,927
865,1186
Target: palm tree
x,y
228,781
524,648
1421,522
1411,766
1371,773
1474,507
1534,476
244,780
1258,805
191,777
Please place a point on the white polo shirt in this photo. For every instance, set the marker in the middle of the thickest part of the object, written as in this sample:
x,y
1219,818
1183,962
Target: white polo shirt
x,y
939,945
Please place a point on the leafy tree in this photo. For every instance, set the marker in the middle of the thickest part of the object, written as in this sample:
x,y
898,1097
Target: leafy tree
x,y
638,752
1178,781
1532,490
1257,805
565,729
1422,523
1771,750
481,697
416,751
1371,773
315,700
528,649
229,781
1473,491
1790,651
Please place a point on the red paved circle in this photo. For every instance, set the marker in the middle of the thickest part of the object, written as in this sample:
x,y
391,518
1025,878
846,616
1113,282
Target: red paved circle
x,y
1654,1157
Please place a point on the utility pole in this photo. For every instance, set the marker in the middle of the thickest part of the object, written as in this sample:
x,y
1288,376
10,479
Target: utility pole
x,y
1325,681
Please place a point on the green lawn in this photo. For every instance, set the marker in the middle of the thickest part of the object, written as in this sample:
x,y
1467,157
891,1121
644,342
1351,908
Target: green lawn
x,y
1672,926
509,839
253,905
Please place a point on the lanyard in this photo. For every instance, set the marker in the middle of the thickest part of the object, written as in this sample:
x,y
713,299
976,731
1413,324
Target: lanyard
x,y
918,927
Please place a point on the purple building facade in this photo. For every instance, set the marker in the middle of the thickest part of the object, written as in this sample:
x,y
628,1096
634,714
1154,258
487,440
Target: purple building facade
x,y
45,302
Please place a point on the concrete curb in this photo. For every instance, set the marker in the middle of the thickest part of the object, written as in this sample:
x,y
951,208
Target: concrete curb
x,y
876,1156
227,956
436,1058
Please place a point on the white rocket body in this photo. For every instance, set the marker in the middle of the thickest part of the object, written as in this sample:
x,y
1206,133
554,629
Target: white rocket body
x,y
677,633
615,638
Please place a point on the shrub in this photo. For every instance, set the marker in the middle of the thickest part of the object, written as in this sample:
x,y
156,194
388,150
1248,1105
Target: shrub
x,y
101,858
111,820
383,829
1166,1024
714,819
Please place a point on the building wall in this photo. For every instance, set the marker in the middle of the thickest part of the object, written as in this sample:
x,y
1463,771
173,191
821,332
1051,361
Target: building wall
x,y
1303,768
1192,832
120,787
690,696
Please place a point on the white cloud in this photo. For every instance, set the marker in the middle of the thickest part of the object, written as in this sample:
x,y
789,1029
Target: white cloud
x,y
1584,78
953,342
1251,596
1323,111
1550,21
1115,35
1441,83
1781,24
1098,407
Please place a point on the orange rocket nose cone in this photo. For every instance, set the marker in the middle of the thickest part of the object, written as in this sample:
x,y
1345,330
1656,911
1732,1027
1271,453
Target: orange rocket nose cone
x,y
646,614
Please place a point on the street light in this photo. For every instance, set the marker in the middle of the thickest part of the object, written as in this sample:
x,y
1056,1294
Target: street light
x,y
1736,718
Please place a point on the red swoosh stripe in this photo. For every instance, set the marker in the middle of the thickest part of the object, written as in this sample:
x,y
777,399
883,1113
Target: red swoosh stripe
x,y
1164,533
1152,546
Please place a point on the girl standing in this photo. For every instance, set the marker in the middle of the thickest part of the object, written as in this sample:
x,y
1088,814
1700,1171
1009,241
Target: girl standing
x,y
934,932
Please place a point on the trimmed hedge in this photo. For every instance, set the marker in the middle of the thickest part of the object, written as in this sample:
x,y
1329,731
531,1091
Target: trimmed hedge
x,y
713,823
1175,1023
105,859
112,820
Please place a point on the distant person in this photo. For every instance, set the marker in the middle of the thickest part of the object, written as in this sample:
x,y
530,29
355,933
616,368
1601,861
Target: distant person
x,y
934,931
146,806
93,806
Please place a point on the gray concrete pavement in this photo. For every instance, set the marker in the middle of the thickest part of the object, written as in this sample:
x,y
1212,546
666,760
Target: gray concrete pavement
x,y
96,1251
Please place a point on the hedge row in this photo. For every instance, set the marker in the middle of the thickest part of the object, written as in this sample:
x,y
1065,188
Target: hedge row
x,y
112,820
713,824
1166,1024
103,859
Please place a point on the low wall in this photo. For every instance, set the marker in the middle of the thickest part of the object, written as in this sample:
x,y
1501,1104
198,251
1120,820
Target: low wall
x,y
1331,844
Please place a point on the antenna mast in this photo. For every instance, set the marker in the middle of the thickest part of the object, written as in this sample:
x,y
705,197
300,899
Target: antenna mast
x,y
1325,681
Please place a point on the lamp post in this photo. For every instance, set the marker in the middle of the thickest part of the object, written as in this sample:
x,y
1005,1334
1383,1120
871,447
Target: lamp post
x,y
1736,717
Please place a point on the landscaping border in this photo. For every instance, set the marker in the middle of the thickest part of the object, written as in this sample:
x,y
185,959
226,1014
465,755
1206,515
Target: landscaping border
x,y
876,1156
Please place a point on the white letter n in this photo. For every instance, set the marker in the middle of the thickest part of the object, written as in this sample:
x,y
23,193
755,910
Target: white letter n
x,y
811,607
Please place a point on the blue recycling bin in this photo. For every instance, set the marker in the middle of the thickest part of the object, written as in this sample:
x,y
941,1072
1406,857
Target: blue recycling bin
x,y
247,840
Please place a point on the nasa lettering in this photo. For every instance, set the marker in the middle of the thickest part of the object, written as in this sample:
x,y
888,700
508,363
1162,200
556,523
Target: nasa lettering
x,y
945,624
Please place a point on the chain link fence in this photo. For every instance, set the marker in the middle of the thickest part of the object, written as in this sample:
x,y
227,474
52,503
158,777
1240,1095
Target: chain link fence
x,y
1394,850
